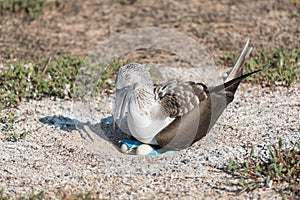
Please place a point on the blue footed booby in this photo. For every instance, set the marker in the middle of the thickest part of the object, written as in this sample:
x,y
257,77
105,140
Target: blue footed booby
x,y
173,115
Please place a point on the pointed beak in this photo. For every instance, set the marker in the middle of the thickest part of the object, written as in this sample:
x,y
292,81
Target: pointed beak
x,y
122,99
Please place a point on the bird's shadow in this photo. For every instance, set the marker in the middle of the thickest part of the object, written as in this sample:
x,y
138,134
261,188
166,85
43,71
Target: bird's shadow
x,y
88,131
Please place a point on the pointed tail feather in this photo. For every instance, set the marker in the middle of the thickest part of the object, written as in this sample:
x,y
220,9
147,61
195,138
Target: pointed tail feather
x,y
237,70
232,84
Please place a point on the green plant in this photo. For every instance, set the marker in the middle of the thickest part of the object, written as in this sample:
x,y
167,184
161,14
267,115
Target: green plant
x,y
82,196
25,80
31,8
294,14
38,196
8,120
28,9
95,78
3,196
295,2
60,194
281,171
279,67
108,77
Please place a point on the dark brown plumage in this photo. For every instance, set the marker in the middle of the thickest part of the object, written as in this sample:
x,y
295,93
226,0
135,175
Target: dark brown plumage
x,y
192,125
195,124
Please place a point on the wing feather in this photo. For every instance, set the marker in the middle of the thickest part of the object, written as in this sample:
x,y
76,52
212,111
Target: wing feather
x,y
177,99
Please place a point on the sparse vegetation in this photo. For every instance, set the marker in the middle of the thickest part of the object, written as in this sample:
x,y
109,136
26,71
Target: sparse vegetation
x,y
279,67
31,9
82,196
22,80
3,196
55,77
296,2
107,79
59,195
8,121
27,9
25,80
38,196
281,171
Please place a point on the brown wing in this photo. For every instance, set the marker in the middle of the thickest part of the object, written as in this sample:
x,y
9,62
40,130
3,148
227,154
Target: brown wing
x,y
194,125
192,101
191,126
180,99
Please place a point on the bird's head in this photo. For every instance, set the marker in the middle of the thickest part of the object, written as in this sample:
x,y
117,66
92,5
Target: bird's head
x,y
132,75
130,78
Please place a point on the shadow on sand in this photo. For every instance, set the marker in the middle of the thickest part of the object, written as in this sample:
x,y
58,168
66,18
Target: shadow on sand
x,y
90,133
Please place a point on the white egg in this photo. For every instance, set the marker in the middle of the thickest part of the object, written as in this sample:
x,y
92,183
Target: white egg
x,y
144,149
124,148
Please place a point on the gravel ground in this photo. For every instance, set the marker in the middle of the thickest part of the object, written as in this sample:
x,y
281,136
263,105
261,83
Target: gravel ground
x,y
63,151
57,155
219,25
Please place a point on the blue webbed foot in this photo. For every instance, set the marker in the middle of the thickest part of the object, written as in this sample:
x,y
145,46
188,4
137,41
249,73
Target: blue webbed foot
x,y
138,148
